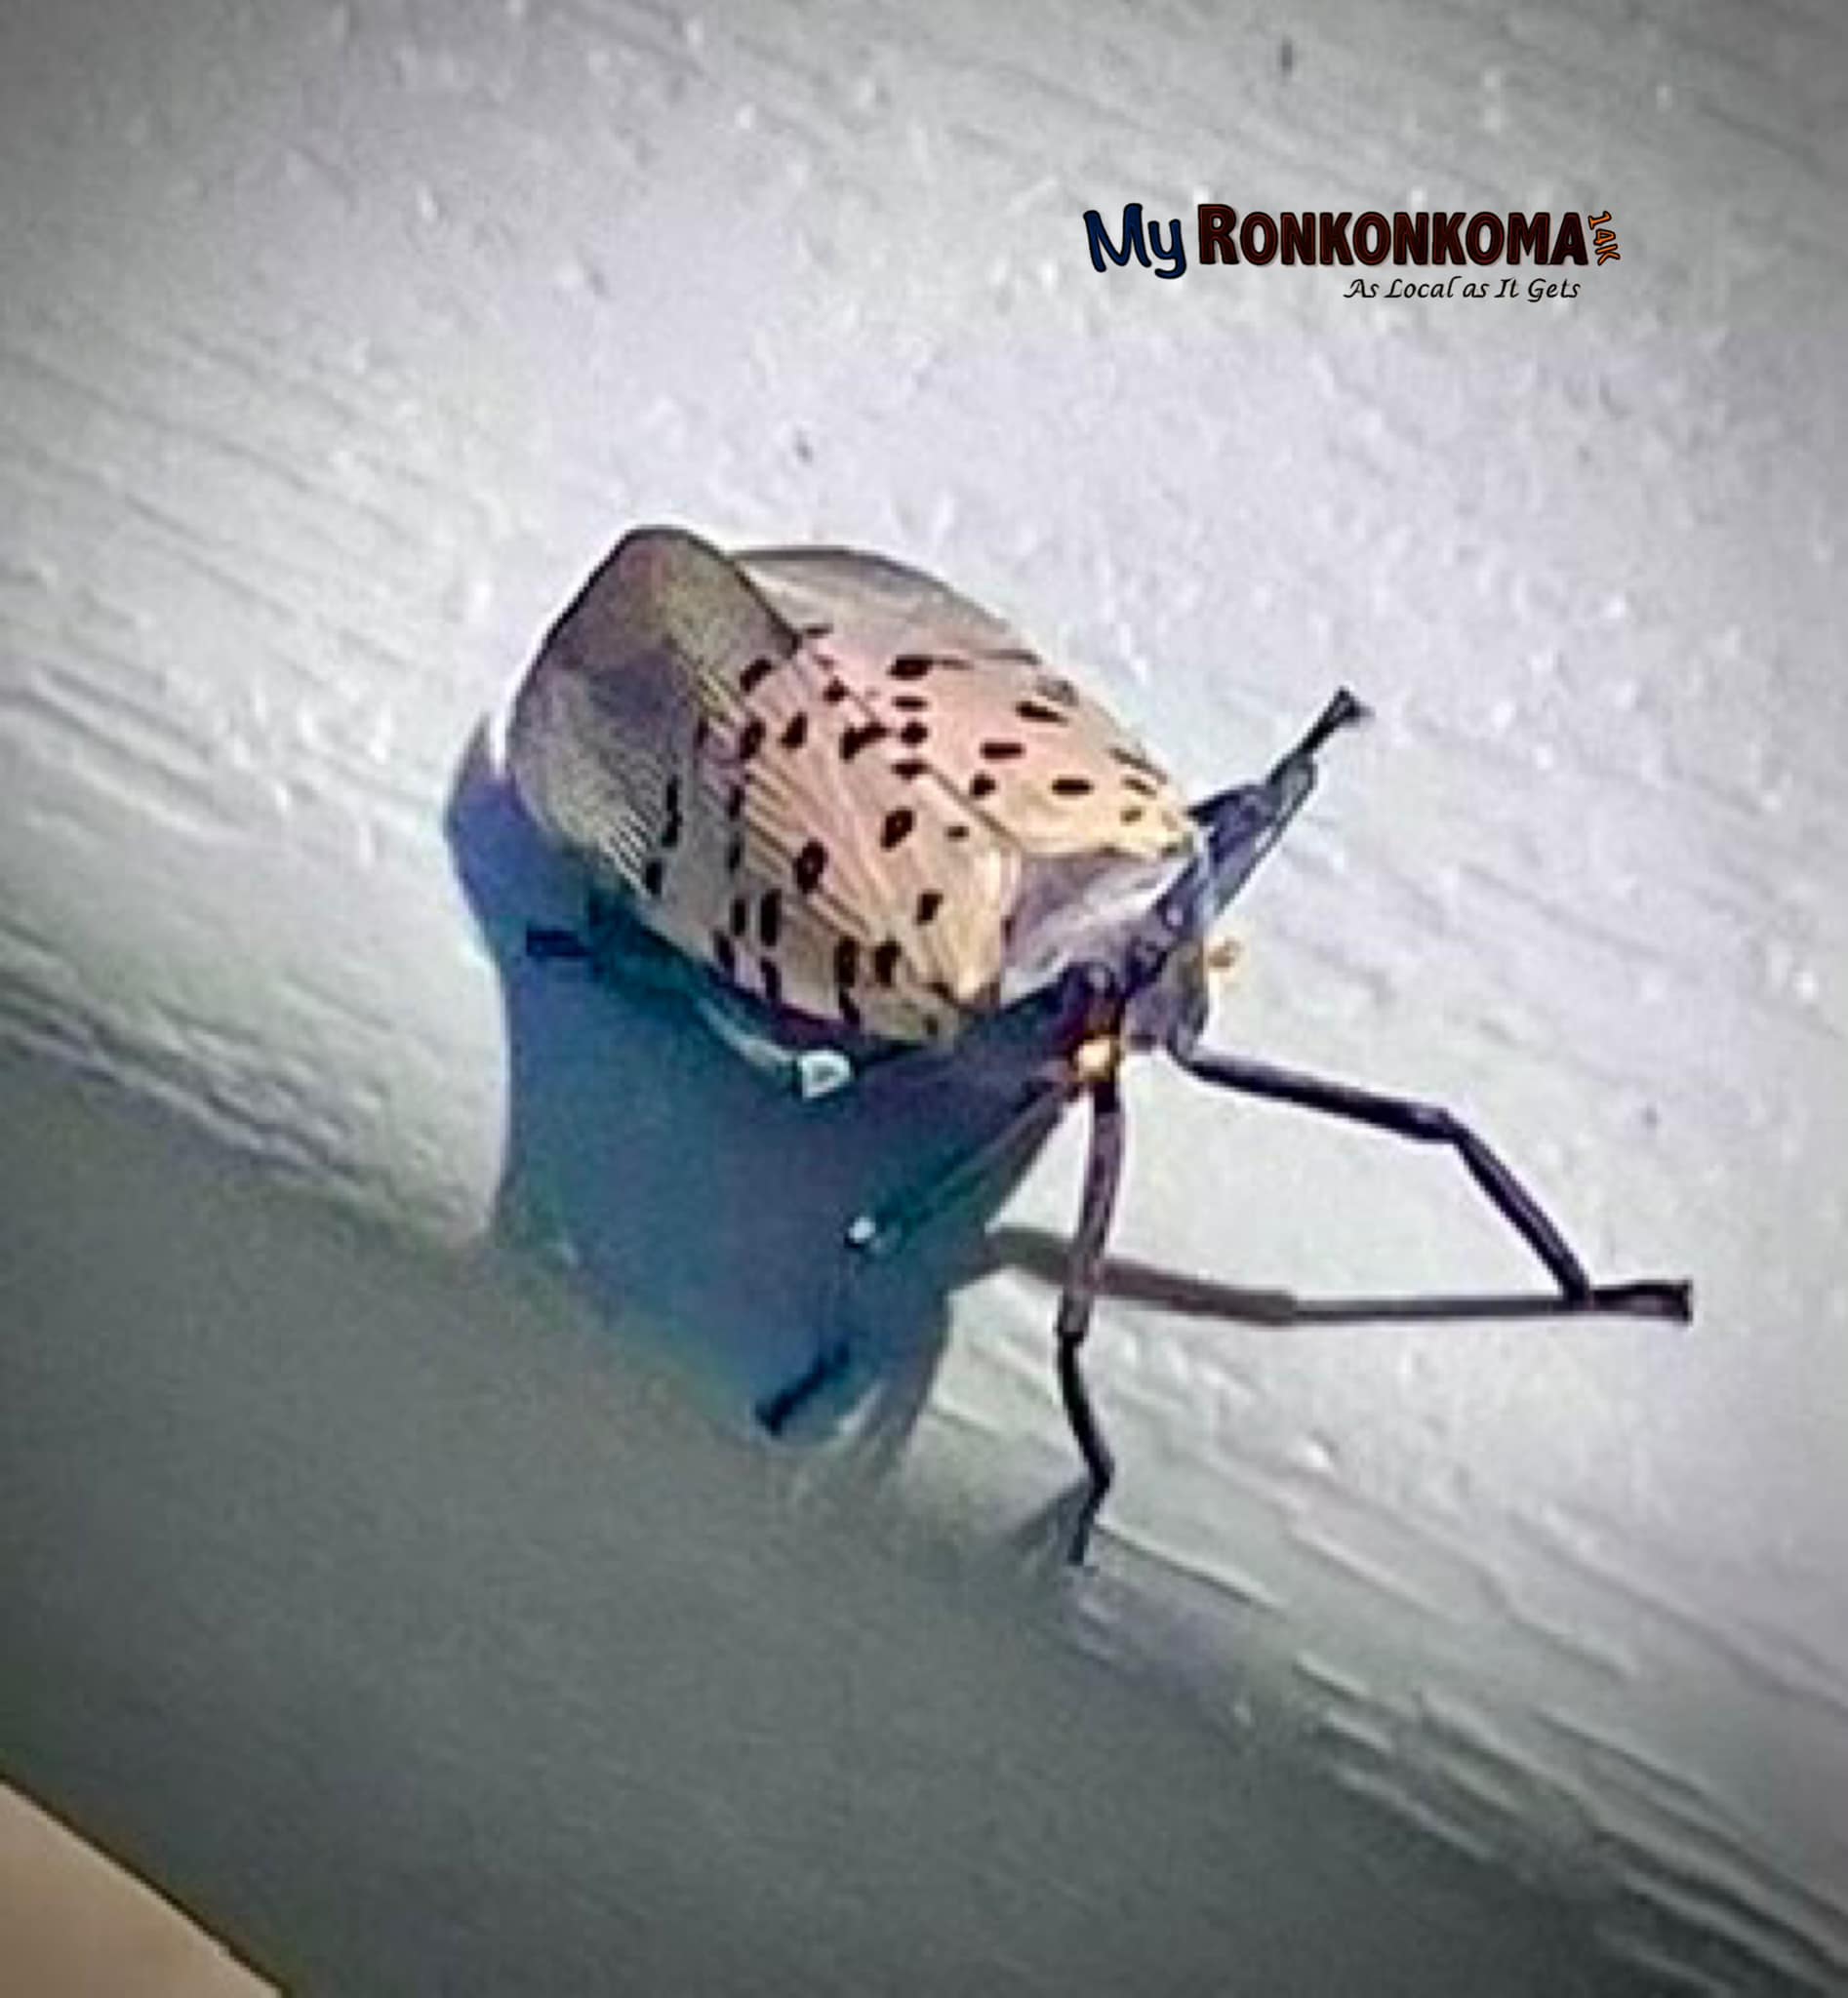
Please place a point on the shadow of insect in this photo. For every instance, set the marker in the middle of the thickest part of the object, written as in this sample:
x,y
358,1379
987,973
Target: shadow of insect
x,y
699,1207
704,1209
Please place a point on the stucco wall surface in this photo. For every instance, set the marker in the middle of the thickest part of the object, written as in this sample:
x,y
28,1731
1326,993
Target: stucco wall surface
x,y
389,1569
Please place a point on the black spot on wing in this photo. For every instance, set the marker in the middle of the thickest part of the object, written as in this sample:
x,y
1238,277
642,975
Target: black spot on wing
x,y
1003,749
795,731
671,823
755,674
1073,786
929,903
896,827
811,863
862,735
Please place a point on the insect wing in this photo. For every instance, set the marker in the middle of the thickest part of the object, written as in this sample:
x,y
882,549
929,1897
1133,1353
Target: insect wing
x,y
604,741
690,746
1044,764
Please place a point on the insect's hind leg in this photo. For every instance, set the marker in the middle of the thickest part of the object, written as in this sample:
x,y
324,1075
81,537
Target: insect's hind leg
x,y
1432,1124
874,1236
1104,1173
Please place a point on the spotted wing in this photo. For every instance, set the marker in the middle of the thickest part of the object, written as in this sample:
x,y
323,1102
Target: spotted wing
x,y
1043,764
692,746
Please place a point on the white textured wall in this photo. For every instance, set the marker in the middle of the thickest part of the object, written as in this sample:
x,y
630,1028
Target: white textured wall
x,y
417,1626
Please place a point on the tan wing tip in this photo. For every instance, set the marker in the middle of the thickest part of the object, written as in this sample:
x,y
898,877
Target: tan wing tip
x,y
971,988
655,546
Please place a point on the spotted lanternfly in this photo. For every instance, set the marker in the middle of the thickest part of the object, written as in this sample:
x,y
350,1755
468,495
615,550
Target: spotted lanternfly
x,y
873,825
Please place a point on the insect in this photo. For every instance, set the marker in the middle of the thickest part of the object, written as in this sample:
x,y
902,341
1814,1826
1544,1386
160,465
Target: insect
x,y
872,824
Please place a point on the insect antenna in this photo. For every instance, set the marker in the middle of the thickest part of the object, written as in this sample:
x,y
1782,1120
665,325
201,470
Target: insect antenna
x,y
1242,824
1342,712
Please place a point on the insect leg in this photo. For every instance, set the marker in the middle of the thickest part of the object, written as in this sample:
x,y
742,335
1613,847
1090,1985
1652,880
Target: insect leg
x,y
871,1237
884,1231
1102,1173
1432,1124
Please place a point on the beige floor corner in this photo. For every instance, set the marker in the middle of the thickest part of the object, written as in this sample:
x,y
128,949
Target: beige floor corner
x,y
75,1924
